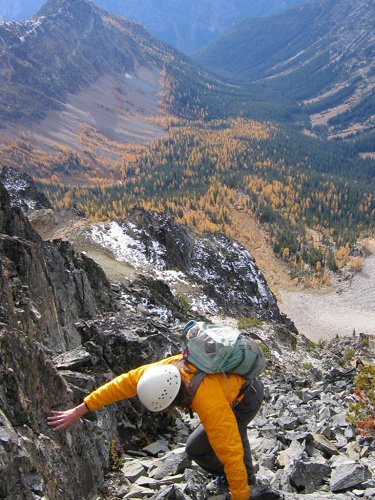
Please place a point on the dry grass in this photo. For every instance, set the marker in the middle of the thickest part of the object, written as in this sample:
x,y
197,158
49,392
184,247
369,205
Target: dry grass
x,y
254,238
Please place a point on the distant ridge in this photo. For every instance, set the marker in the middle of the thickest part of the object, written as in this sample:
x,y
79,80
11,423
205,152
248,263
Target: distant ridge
x,y
187,25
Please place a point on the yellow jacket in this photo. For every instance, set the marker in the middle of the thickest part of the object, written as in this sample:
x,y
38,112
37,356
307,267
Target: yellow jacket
x,y
212,402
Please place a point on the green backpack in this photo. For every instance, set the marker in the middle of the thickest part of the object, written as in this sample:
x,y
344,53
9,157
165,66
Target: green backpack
x,y
221,349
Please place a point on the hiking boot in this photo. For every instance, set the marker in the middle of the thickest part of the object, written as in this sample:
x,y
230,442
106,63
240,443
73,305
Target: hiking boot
x,y
251,479
218,486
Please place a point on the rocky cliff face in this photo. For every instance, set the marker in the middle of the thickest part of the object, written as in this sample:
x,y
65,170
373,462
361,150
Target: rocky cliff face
x,y
22,190
46,286
44,289
225,270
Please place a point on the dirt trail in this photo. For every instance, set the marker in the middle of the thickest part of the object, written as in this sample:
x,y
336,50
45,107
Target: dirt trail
x,y
323,315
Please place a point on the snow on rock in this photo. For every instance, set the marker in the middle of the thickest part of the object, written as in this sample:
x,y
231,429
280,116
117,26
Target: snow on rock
x,y
223,271
22,190
110,235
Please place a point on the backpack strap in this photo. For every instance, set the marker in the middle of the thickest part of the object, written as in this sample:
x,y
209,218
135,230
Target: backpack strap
x,y
195,381
199,376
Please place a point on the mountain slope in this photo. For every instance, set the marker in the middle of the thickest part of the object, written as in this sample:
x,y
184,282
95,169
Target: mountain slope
x,y
321,54
68,46
79,76
186,25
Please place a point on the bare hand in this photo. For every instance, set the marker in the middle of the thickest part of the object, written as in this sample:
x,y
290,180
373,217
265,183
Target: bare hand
x,y
65,419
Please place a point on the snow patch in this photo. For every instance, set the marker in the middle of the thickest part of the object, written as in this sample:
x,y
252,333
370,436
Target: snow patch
x,y
110,235
16,185
162,312
136,246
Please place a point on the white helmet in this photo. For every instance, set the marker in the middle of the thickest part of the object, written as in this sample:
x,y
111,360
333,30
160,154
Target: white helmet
x,y
158,386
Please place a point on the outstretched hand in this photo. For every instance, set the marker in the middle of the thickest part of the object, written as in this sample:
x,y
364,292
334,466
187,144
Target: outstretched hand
x,y
67,418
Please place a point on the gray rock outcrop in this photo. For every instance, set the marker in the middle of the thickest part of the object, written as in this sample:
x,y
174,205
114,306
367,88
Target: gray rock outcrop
x,y
226,271
22,190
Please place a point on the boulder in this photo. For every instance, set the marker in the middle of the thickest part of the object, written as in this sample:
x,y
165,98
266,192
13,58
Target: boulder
x,y
348,475
308,475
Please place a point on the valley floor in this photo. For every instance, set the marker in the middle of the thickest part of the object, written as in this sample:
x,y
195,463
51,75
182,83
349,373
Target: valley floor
x,y
349,306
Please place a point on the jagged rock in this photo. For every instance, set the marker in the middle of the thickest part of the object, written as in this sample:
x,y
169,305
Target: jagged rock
x,y
323,444
133,470
224,268
156,447
288,423
348,475
54,286
30,388
353,450
171,464
369,493
287,457
308,394
12,221
77,380
171,493
122,491
339,420
308,475
340,440
23,191
155,294
196,480
176,479
264,445
146,481
139,492
74,359
268,461
127,342
281,481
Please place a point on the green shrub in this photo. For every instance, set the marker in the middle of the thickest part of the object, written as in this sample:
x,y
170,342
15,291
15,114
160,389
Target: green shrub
x,y
245,323
362,413
266,351
311,345
307,366
184,302
115,453
347,356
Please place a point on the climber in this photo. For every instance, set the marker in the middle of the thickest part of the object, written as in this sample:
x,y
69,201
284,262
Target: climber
x,y
219,444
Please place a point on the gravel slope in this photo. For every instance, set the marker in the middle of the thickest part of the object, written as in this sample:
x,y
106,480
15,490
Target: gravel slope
x,y
323,315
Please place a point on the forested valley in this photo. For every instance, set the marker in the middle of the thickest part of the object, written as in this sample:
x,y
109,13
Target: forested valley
x,y
315,198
